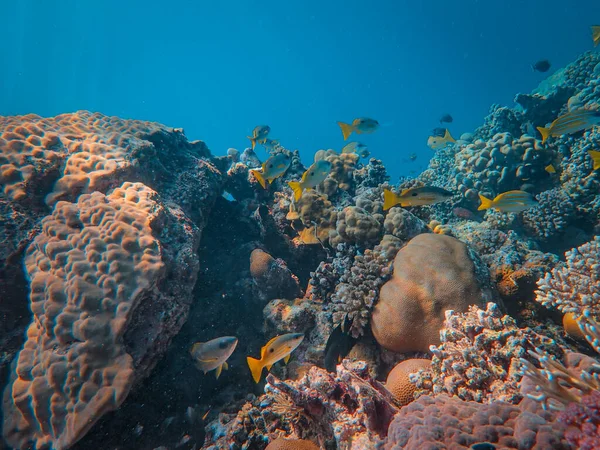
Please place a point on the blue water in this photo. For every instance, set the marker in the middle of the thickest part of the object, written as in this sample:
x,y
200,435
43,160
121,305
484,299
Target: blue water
x,y
219,68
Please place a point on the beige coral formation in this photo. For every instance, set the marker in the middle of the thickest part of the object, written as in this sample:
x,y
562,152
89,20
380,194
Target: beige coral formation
x,y
90,267
342,167
314,208
88,152
356,226
432,273
398,381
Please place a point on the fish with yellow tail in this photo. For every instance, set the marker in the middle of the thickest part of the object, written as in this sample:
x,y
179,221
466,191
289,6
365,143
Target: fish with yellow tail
x,y
362,125
272,168
596,34
550,168
278,348
511,201
571,122
314,175
595,158
438,142
420,196
213,355
259,134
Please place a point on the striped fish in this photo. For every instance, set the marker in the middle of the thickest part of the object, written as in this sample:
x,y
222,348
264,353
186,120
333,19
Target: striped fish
x,y
571,122
596,34
511,201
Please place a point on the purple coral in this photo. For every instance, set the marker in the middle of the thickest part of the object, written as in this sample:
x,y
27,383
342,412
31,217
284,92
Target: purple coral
x,y
583,422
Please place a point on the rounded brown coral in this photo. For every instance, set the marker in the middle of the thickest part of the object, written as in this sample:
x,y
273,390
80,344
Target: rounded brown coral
x,y
432,273
260,263
292,444
398,382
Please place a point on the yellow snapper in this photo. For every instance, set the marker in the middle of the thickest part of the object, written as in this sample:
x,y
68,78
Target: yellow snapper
x,y
571,122
280,347
213,354
259,134
314,175
437,142
358,126
596,34
511,201
420,196
596,158
272,168
354,147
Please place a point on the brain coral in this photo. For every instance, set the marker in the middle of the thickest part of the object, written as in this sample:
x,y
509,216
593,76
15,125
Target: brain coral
x,y
432,273
398,381
95,265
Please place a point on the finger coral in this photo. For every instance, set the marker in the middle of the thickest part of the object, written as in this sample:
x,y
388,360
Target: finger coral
x,y
432,273
94,272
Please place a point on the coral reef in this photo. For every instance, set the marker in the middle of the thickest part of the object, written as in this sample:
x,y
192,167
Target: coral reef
x,y
574,288
448,422
410,310
272,278
100,278
477,359
347,409
356,226
358,288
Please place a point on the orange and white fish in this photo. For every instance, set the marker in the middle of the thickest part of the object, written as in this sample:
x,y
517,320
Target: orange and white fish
x,y
511,201
358,126
278,348
272,168
437,142
571,122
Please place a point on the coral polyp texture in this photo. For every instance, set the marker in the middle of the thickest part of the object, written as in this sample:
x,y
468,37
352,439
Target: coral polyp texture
x,y
91,267
477,357
432,273
574,288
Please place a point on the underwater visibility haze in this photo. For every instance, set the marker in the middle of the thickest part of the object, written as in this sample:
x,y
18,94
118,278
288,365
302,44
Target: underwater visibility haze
x,y
300,225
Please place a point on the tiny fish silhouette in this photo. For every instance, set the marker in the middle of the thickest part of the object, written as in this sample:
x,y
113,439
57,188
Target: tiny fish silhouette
x,y
446,118
541,66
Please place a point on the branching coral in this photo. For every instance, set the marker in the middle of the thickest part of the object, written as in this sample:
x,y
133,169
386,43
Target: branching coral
x,y
576,287
477,357
359,287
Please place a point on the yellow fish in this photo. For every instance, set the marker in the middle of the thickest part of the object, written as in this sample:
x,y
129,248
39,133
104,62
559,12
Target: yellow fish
x,y
358,126
571,122
596,158
550,168
511,201
354,147
314,175
213,354
437,142
420,196
272,168
259,134
596,34
280,347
